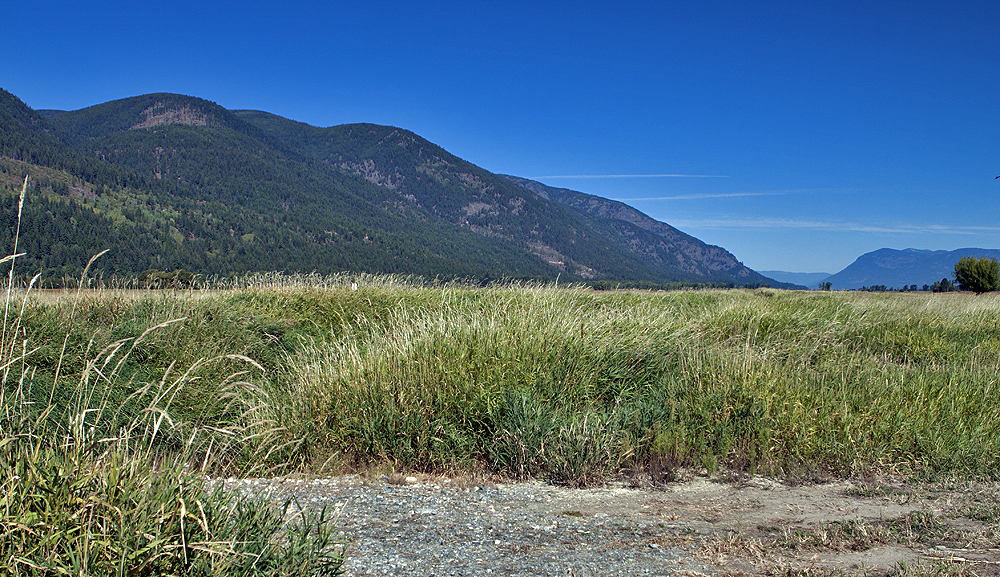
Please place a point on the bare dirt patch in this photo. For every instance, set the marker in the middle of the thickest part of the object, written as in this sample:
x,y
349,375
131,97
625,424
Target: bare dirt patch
x,y
761,526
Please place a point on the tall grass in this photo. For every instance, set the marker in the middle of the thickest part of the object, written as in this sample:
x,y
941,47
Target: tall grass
x,y
567,384
575,385
99,475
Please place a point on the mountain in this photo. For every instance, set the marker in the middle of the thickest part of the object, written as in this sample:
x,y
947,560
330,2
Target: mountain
x,y
806,279
657,243
562,233
897,268
170,181
418,175
175,182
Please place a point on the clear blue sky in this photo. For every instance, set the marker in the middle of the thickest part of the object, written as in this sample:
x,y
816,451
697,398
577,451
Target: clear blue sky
x,y
822,130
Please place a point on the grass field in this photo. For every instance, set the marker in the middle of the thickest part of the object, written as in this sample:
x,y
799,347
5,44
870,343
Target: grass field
x,y
115,402
568,384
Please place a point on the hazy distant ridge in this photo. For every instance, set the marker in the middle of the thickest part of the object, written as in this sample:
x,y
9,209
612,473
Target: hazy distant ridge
x,y
897,268
806,279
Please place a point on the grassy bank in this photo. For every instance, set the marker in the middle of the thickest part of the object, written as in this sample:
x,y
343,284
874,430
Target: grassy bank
x,y
115,403
570,385
101,463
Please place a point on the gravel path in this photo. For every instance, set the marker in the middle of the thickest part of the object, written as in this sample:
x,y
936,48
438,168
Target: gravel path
x,y
430,527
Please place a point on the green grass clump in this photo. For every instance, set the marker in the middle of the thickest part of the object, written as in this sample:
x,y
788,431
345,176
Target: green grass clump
x,y
98,485
100,475
576,386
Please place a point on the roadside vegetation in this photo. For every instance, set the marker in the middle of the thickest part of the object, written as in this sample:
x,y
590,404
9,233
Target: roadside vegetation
x,y
567,384
116,403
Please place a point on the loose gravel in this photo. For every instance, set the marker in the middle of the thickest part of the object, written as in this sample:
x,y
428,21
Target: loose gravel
x,y
430,527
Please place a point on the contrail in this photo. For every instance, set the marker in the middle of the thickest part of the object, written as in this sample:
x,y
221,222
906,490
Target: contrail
x,y
698,196
706,195
831,226
634,176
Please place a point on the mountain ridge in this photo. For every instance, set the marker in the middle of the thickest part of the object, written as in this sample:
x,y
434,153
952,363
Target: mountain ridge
x,y
245,189
688,253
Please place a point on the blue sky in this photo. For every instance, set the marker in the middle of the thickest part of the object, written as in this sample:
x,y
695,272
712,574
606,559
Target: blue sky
x,y
796,135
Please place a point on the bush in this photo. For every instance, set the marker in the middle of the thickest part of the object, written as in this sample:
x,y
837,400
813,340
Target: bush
x,y
979,275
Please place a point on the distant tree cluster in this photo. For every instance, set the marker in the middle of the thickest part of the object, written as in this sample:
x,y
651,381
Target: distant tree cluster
x,y
944,285
606,285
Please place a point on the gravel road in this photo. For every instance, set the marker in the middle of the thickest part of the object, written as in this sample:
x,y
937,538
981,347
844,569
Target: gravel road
x,y
437,526
429,527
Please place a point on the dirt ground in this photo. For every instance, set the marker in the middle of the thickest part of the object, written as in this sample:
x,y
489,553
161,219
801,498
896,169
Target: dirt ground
x,y
765,527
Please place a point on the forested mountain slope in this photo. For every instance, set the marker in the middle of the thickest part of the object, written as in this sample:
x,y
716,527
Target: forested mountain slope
x,y
615,241
169,181
196,188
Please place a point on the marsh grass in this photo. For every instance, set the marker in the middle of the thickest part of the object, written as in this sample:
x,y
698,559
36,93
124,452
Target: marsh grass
x,y
100,476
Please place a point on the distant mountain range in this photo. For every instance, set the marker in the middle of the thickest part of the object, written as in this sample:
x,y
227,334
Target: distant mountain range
x,y
176,182
806,279
897,268
889,268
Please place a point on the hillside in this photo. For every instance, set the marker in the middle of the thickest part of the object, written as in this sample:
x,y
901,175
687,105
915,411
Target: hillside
x,y
206,192
898,268
170,181
657,243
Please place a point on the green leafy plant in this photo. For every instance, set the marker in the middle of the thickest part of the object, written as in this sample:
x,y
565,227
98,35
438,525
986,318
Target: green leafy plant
x,y
522,427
